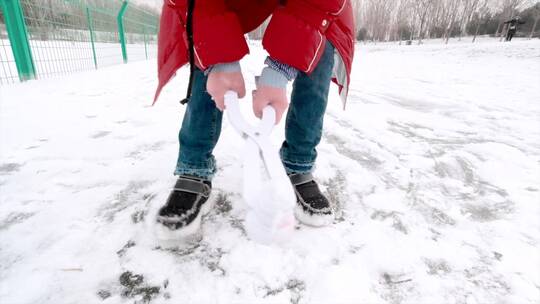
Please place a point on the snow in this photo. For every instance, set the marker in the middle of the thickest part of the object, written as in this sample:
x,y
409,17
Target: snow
x,y
61,57
434,170
156,4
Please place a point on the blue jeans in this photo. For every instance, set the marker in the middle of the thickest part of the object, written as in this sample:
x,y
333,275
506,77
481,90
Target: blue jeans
x,y
201,126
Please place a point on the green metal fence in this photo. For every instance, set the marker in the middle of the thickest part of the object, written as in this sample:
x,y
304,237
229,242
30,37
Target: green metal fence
x,y
44,38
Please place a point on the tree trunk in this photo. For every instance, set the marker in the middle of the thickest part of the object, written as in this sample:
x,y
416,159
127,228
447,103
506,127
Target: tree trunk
x,y
498,33
504,32
445,35
476,32
534,27
420,32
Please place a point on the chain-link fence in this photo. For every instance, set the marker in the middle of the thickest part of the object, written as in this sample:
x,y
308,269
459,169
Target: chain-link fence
x,y
8,72
44,38
141,33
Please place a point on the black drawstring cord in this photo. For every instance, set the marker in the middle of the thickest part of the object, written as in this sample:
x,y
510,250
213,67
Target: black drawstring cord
x,y
189,30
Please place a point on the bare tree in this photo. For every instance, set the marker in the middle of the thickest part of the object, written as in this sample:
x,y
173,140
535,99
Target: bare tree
x,y
398,20
469,8
536,18
421,9
482,11
451,9
401,19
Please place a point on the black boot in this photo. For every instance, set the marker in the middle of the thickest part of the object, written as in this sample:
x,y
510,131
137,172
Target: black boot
x,y
182,213
312,208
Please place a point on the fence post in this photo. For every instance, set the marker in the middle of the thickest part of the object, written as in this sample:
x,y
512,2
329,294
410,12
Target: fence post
x,y
144,37
91,29
18,38
121,35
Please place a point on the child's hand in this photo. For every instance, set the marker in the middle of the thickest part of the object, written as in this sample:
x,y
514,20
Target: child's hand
x,y
271,91
266,95
223,78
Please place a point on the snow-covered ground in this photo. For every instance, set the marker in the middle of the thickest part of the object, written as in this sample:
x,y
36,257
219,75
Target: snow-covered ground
x,y
60,57
434,170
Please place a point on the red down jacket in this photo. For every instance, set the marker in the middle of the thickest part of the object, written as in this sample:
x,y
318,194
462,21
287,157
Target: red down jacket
x,y
296,34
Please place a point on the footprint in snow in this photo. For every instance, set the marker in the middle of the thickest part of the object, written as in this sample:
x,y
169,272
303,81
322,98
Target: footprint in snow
x,y
100,134
133,286
8,168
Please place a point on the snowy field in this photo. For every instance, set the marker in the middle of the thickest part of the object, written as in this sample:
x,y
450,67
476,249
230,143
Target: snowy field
x,y
60,57
434,170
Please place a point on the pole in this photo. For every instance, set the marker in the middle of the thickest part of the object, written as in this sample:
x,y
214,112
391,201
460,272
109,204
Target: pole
x,y
91,29
145,47
18,38
121,35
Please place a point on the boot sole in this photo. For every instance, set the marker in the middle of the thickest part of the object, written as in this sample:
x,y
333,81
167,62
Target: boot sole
x,y
313,220
191,233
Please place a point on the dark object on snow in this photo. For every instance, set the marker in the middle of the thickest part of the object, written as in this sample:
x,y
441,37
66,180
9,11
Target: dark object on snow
x,y
104,294
184,204
313,208
189,31
512,27
128,279
133,286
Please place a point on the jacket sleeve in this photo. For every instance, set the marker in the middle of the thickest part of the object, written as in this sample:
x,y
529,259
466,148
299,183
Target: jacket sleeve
x,y
296,32
217,34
